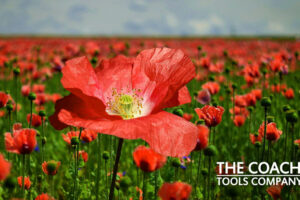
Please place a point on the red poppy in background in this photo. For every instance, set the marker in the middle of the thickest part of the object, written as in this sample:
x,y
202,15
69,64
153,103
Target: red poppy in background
x,y
84,155
250,99
272,133
239,120
3,99
255,139
147,159
27,182
36,120
275,191
240,101
175,191
4,168
203,97
187,116
211,115
203,136
125,97
68,136
289,93
212,87
44,197
50,167
88,135
257,93
22,142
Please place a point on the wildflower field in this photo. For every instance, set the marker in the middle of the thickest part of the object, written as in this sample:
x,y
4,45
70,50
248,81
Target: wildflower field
x,y
145,118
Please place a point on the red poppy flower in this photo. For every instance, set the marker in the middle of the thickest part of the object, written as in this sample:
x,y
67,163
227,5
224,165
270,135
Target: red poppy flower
x,y
212,87
84,155
240,101
17,126
50,167
257,93
255,139
275,191
272,133
68,136
203,97
38,88
289,93
88,135
40,99
125,97
36,120
239,120
203,136
27,182
147,159
205,62
175,191
250,99
44,197
297,142
22,142
187,116
5,168
3,99
211,115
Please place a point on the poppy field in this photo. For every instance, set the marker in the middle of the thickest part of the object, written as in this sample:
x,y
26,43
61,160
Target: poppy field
x,y
146,118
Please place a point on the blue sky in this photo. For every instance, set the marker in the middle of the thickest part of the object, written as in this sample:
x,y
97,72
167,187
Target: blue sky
x,y
150,17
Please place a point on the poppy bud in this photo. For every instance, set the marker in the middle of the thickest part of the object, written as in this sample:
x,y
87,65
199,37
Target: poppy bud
x,y
176,162
286,108
105,155
225,53
291,116
296,146
270,119
74,141
199,48
228,91
211,78
264,71
214,103
250,108
31,96
266,101
16,71
42,113
125,183
9,107
178,111
204,171
195,94
44,140
257,144
256,134
211,150
203,54
10,182
296,54
39,178
227,70
234,86
38,133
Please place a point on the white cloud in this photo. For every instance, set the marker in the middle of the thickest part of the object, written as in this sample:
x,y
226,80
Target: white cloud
x,y
207,26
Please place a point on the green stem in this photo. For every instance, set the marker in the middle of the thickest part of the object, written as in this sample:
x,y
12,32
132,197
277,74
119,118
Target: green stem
x,y
113,183
265,132
98,167
23,176
145,185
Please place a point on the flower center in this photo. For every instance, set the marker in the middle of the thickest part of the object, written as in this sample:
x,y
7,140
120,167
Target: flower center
x,y
127,105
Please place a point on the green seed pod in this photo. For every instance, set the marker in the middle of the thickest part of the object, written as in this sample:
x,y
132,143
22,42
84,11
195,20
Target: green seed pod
x,y
42,113
9,107
178,111
176,162
234,86
264,71
225,53
74,141
31,96
10,182
44,140
214,103
211,78
257,144
204,171
227,70
199,48
250,108
200,122
16,71
286,108
211,150
105,155
270,119
266,102
94,60
125,183
291,116
51,166
256,134
296,54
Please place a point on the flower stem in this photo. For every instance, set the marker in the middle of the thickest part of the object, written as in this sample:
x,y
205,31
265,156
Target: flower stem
x,y
23,176
265,132
113,183
98,167
145,185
